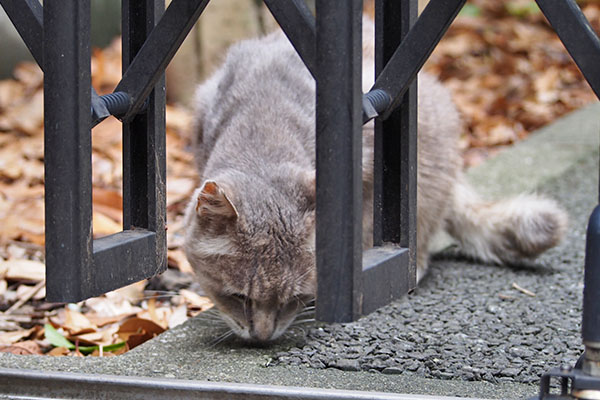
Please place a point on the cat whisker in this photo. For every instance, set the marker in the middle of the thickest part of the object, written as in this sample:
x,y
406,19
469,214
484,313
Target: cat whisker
x,y
307,304
221,338
300,278
212,312
159,293
173,292
214,320
209,316
303,321
305,315
163,296
212,315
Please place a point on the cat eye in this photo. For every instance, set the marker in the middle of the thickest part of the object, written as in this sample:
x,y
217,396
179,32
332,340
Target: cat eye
x,y
238,296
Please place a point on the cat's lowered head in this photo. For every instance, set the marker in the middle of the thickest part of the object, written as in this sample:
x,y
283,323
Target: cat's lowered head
x,y
250,226
254,258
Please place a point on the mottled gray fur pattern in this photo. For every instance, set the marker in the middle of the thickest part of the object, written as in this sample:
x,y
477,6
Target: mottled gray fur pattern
x,y
250,226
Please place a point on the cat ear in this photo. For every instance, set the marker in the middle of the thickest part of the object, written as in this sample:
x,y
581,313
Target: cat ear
x,y
213,201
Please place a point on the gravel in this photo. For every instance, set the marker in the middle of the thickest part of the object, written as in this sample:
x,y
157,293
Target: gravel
x,y
468,321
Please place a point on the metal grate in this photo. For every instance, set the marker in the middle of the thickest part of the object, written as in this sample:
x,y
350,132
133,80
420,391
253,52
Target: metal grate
x,y
350,283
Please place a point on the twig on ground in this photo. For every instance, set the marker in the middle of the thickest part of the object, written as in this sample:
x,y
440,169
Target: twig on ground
x,y
26,298
15,318
523,290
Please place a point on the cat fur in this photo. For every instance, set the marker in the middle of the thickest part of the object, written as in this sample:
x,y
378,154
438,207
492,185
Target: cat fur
x,y
250,227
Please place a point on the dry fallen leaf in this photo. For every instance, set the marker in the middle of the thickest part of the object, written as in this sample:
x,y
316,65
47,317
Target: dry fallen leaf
x,y
7,338
104,225
59,351
177,258
103,337
131,293
178,317
100,321
76,323
138,330
25,270
110,307
22,348
108,202
195,300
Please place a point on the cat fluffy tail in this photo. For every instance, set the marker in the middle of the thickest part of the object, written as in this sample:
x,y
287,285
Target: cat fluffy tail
x,y
506,231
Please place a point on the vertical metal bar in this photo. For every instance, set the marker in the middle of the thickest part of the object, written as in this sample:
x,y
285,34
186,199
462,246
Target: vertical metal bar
x,y
144,171
395,167
564,386
339,177
590,327
67,146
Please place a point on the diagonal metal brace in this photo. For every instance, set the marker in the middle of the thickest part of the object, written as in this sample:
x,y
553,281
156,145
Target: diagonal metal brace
x,y
576,33
28,19
150,62
27,16
299,25
411,54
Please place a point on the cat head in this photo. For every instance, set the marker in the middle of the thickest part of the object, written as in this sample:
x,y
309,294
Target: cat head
x,y
251,243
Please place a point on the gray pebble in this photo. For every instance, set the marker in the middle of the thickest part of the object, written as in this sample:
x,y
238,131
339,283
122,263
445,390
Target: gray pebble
x,y
346,365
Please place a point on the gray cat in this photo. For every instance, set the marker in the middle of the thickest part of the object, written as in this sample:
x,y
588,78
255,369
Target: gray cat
x,y
250,227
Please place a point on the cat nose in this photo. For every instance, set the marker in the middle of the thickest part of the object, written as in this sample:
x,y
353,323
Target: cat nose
x,y
261,335
263,327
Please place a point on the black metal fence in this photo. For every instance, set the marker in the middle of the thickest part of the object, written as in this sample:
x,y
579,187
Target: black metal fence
x,y
350,282
361,282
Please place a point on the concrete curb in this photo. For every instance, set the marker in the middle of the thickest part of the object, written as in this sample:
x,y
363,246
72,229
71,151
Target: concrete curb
x,y
547,154
42,385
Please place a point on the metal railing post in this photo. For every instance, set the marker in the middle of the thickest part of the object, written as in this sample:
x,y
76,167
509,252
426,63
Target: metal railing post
x,y
144,170
590,327
395,164
338,159
67,145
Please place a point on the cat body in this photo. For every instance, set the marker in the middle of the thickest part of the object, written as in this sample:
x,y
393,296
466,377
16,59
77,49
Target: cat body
x,y
250,227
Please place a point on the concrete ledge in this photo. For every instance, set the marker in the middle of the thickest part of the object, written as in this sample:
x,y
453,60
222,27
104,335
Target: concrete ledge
x,y
547,154
186,353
